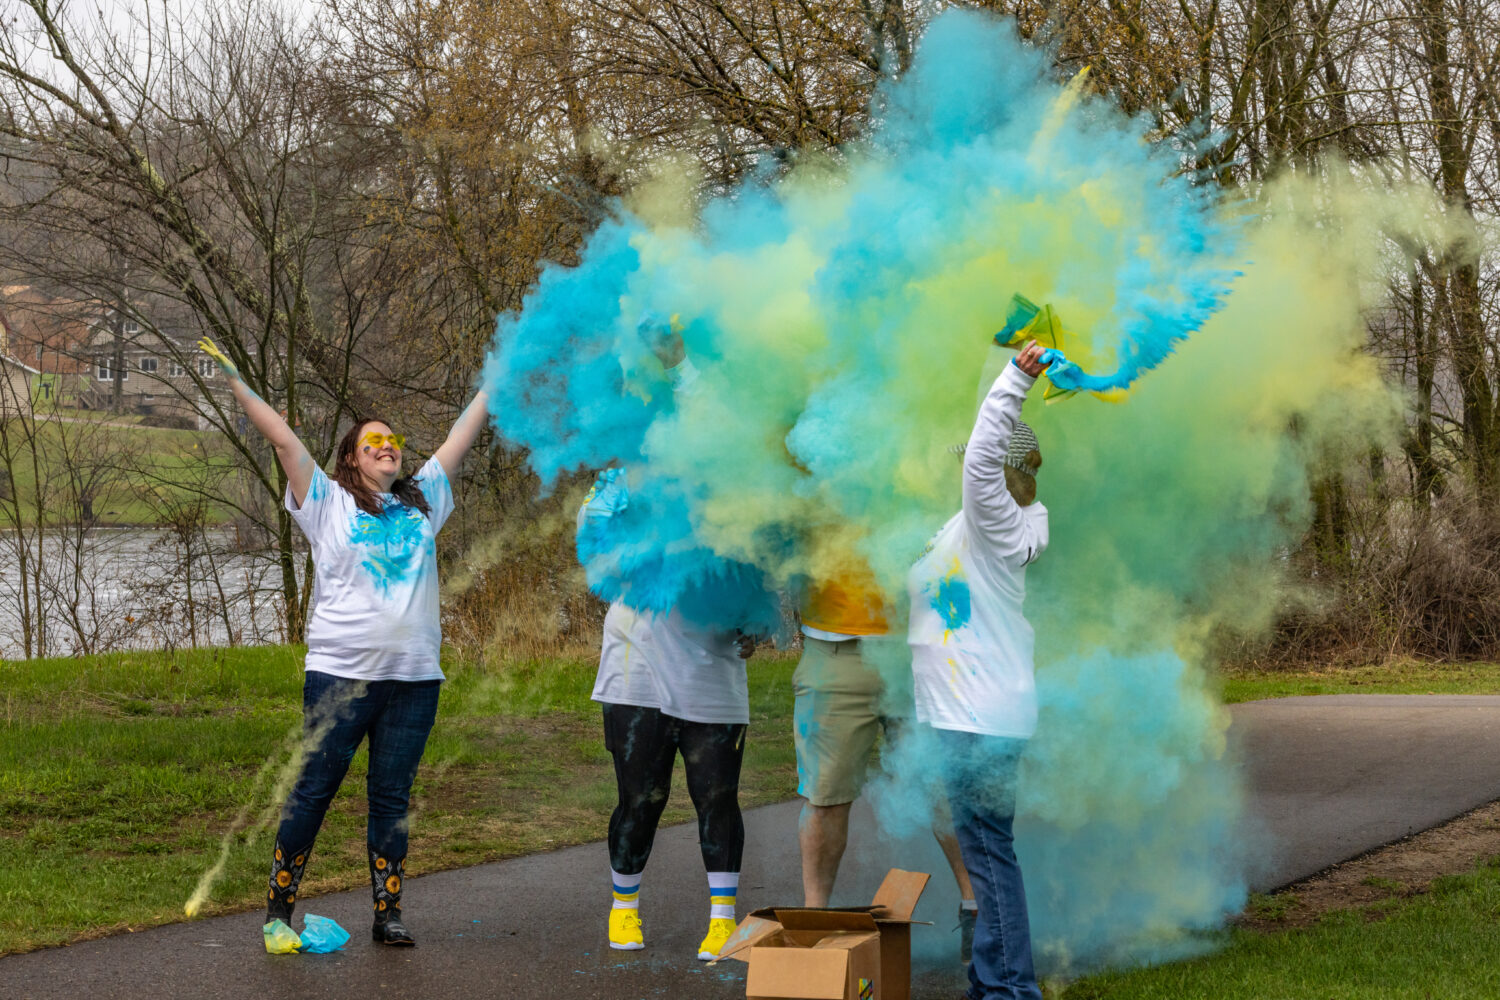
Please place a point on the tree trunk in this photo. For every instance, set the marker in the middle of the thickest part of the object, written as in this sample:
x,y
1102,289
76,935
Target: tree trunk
x,y
1456,265
1425,472
117,364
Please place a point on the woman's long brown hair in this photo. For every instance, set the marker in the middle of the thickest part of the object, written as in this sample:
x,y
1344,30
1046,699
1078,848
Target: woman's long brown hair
x,y
346,473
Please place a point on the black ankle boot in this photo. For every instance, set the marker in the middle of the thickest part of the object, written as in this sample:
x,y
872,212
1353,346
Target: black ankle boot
x,y
286,874
385,877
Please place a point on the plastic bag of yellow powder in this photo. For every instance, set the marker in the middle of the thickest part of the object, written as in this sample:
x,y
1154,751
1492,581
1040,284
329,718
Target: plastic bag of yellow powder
x,y
281,939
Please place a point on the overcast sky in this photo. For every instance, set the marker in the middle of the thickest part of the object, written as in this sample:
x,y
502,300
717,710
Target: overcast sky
x,y
123,16
126,19
119,13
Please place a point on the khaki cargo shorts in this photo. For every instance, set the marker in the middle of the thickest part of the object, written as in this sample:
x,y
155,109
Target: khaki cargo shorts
x,y
847,695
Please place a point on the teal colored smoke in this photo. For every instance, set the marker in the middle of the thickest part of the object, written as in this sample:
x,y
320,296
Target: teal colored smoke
x,y
840,312
1131,830
555,375
840,315
669,569
558,387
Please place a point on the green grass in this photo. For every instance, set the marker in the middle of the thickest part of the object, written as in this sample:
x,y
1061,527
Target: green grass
x,y
1393,678
1444,945
138,459
121,774
1270,907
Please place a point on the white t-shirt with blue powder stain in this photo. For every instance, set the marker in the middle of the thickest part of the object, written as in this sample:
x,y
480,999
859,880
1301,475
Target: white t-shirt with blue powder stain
x,y
971,645
375,596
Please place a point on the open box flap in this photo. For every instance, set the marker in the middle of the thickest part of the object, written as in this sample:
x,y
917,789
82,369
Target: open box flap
x,y
846,940
751,931
802,919
896,899
771,911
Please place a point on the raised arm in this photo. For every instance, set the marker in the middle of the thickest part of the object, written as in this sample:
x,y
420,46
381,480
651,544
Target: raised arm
x,y
290,452
465,429
990,509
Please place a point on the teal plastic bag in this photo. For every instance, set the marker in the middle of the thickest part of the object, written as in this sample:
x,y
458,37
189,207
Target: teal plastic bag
x,y
281,939
321,935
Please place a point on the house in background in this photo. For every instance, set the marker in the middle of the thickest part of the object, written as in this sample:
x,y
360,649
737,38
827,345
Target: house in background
x,y
151,371
45,334
87,354
15,387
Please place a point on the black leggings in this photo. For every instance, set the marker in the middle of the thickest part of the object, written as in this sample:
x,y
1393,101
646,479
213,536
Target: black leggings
x,y
644,744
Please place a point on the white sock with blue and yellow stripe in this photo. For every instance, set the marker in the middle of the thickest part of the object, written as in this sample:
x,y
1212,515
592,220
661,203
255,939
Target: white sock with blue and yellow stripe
x,y
627,890
723,887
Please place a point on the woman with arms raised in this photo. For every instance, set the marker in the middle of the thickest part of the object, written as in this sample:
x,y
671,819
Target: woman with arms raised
x,y
373,638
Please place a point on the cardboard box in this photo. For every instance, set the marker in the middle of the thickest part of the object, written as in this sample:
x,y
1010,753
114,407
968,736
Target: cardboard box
x,y
849,953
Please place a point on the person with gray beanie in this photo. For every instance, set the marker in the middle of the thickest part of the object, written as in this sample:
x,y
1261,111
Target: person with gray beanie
x,y
972,673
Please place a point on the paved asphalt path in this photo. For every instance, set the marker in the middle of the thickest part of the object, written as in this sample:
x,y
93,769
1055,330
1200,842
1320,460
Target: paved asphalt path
x,y
1331,777
1334,776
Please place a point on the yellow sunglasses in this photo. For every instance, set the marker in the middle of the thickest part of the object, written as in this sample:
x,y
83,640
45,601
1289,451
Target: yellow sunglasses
x,y
397,441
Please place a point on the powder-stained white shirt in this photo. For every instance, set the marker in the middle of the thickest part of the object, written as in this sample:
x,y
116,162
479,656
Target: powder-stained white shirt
x,y
971,646
375,597
660,660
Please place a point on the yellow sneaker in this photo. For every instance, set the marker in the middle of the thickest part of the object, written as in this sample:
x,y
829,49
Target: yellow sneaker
x,y
719,929
625,930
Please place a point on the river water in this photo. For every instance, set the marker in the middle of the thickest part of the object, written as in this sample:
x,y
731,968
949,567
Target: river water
x,y
137,588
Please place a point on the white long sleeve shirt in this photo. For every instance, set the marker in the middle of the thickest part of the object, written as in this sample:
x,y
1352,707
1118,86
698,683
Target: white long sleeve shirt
x,y
971,646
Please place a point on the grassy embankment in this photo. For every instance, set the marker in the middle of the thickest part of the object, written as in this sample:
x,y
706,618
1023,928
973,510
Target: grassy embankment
x,y
120,774
1443,945
1391,678
128,462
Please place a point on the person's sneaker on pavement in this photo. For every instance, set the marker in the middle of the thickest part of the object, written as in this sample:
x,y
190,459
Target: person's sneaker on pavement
x,y
625,930
719,929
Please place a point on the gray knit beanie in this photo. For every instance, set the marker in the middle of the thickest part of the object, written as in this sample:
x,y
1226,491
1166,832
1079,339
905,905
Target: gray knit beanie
x,y
1023,445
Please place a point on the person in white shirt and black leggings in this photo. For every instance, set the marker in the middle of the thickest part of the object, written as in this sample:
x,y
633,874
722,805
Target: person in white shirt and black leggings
x,y
373,638
668,685
972,668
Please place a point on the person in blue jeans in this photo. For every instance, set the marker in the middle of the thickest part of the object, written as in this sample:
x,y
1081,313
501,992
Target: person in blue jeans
x,y
972,668
373,638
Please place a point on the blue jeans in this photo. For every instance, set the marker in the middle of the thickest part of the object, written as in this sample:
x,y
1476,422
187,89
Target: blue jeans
x,y
980,772
337,715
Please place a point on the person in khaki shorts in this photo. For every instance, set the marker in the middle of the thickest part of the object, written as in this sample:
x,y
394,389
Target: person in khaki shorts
x,y
852,684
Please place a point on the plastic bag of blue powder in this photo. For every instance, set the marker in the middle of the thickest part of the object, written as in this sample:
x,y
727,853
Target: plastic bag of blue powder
x,y
321,935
